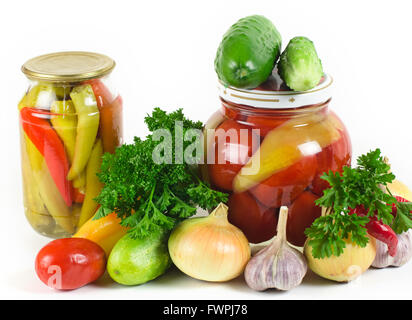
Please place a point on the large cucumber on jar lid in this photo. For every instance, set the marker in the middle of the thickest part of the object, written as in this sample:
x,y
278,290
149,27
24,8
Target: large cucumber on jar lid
x,y
248,52
299,65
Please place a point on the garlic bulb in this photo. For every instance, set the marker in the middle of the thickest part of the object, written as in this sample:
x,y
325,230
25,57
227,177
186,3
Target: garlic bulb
x,y
209,248
278,265
403,254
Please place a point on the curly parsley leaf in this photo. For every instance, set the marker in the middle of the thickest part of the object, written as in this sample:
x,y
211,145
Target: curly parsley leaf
x,y
151,197
206,197
365,185
328,233
403,218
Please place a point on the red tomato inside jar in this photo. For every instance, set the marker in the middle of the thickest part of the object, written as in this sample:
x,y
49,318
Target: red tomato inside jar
x,y
268,147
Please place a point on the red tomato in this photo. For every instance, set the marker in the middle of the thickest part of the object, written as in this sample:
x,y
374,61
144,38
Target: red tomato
x,y
231,113
70,263
265,123
334,157
257,222
302,213
230,156
286,185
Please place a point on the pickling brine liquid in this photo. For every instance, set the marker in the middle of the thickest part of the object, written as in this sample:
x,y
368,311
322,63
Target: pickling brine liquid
x,y
65,129
294,148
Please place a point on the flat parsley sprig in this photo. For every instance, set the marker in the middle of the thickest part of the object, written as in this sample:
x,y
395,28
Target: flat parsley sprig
x,y
365,185
151,197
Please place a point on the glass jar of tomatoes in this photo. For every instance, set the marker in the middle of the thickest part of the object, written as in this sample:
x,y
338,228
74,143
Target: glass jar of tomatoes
x,y
268,147
69,116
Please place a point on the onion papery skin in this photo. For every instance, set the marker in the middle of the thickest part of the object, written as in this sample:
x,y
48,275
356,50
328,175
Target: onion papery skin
x,y
209,249
348,266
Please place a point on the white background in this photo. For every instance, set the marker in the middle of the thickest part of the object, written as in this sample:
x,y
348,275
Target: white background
x,y
164,52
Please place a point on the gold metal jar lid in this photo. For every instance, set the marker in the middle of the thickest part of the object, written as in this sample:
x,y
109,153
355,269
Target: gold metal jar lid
x,y
69,66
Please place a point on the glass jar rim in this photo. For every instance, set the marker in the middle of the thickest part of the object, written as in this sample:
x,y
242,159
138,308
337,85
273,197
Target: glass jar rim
x,y
278,99
68,66
278,112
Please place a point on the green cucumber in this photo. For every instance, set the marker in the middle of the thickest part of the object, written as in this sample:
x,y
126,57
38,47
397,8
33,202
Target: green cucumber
x,y
248,52
136,261
299,65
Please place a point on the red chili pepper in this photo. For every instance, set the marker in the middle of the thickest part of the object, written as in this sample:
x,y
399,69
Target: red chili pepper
x,y
379,230
111,125
101,92
46,140
401,199
383,233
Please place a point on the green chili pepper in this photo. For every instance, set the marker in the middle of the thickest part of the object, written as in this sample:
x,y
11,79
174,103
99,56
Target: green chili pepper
x,y
42,95
64,121
49,192
87,126
93,184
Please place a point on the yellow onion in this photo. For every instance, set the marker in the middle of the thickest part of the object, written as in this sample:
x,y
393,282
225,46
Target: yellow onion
x,y
209,248
398,188
348,266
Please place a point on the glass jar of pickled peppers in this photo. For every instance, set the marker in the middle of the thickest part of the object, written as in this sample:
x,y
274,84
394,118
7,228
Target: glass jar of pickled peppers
x,y
69,116
269,148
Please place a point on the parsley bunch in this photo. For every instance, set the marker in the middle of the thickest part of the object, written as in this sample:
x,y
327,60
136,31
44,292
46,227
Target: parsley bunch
x,y
364,185
150,197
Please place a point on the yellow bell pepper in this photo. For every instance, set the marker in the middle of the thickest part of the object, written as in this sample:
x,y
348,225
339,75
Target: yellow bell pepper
x,y
93,184
105,231
87,126
285,145
49,193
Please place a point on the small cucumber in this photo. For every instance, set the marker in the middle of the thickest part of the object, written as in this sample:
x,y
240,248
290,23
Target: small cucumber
x,y
247,54
299,65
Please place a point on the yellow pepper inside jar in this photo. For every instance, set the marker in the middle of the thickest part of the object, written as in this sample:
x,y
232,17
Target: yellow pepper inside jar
x,y
69,116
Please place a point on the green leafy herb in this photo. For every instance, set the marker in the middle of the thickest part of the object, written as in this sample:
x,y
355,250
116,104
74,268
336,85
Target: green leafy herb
x,y
403,218
327,234
365,185
152,196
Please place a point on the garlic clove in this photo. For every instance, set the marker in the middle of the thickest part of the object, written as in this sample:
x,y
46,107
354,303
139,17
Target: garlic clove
x,y
291,267
382,259
403,253
278,265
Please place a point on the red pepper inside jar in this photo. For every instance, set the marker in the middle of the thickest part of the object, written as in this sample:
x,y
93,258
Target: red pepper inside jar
x,y
268,147
69,116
